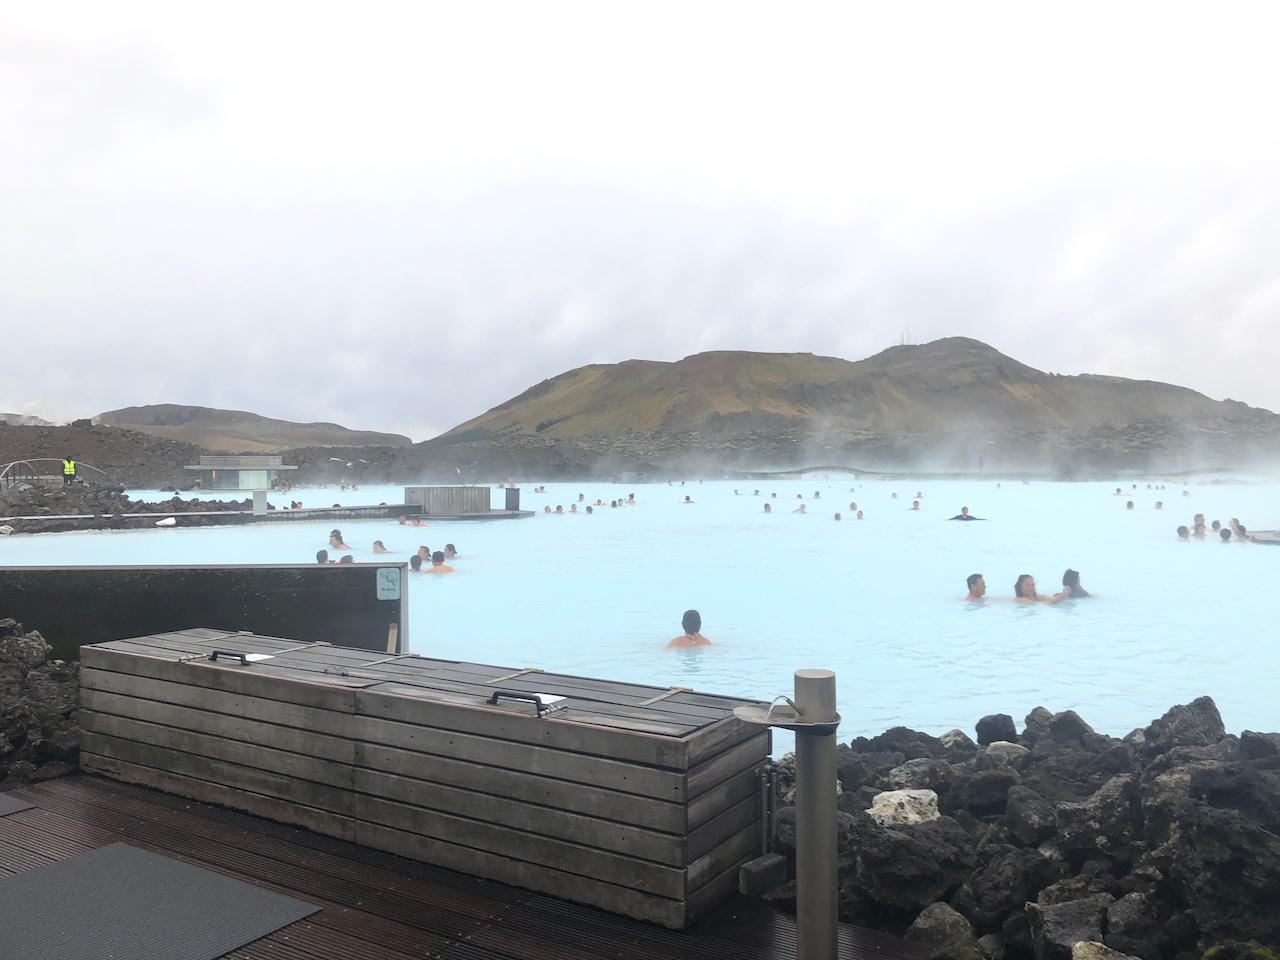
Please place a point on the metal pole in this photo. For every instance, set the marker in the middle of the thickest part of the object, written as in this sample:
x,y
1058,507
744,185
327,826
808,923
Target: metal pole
x,y
817,903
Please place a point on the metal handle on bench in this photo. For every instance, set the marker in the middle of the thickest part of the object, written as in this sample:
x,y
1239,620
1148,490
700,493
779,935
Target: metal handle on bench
x,y
517,695
242,657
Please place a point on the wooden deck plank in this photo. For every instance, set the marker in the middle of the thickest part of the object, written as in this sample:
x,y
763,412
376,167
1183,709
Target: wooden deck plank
x,y
378,905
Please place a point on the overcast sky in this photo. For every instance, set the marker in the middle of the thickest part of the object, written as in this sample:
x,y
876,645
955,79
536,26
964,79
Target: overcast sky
x,y
396,216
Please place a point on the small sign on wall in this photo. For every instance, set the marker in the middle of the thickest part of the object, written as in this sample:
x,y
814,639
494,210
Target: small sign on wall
x,y
388,583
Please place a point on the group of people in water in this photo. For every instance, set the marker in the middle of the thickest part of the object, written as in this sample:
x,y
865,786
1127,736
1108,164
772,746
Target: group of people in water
x,y
591,508
1024,589
424,560
1233,532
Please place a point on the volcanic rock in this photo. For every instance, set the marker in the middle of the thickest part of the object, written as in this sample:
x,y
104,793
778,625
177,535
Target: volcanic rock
x,y
1030,817
1056,928
996,726
904,807
1196,724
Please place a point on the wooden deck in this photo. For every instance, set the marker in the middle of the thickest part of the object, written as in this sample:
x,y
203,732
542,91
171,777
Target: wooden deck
x,y
377,905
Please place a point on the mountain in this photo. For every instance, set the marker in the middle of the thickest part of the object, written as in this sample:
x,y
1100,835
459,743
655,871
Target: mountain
x,y
23,420
236,431
954,404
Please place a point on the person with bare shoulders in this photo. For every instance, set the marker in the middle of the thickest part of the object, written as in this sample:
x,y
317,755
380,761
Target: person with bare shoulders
x,y
437,564
799,509
379,547
977,586
1024,591
692,636
335,540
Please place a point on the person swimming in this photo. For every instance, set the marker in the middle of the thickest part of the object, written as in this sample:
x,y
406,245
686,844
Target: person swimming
x,y
964,514
688,501
977,585
335,540
424,554
1129,505
1225,534
853,507
859,516
799,509
1184,533
415,564
768,509
1024,591
915,504
348,558
450,551
322,556
1071,584
378,547
589,510
438,565
692,636
837,517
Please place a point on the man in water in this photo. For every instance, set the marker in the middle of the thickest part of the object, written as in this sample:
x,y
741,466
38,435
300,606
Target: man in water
x,y
977,585
378,547
348,558
415,564
1024,591
859,516
692,636
1225,534
1071,584
768,509
438,565
1184,533
915,504
322,556
965,515
1128,505
335,540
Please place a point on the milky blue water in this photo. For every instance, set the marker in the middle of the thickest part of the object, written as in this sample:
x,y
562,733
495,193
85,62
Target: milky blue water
x,y
876,600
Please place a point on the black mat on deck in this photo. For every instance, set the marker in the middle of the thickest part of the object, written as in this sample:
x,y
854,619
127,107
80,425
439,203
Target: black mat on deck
x,y
122,903
11,804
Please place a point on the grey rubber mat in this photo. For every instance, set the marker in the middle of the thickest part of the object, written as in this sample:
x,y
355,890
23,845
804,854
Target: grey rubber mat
x,y
122,903
10,804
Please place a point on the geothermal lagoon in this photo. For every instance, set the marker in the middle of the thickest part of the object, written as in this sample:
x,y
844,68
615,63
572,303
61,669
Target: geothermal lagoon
x,y
877,600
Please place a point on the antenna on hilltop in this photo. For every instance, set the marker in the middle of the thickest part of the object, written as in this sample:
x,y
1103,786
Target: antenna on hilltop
x,y
905,337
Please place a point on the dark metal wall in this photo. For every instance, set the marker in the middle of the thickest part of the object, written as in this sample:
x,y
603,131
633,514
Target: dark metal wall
x,y
354,605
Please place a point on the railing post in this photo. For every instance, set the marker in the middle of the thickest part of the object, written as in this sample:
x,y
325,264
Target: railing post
x,y
817,899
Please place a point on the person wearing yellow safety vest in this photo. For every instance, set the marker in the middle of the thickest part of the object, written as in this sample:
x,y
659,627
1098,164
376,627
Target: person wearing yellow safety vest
x,y
68,471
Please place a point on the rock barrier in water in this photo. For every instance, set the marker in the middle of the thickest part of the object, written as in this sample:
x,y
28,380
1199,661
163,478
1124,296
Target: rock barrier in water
x,y
39,738
101,507
1163,844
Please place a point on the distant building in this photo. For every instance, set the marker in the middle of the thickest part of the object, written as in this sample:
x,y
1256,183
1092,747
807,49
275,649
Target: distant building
x,y
239,473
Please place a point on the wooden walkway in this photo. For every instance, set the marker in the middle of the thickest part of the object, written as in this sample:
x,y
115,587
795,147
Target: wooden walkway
x,y
377,906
